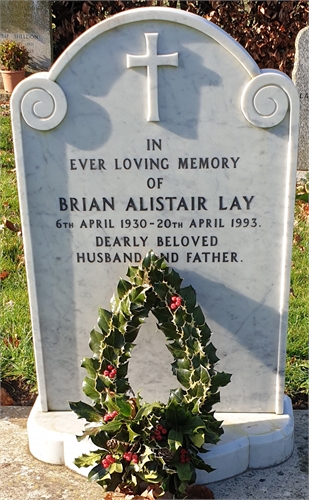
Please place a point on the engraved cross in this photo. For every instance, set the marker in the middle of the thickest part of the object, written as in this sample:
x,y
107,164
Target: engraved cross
x,y
152,60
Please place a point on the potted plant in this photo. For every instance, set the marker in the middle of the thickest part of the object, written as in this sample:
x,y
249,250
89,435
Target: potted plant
x,y
13,58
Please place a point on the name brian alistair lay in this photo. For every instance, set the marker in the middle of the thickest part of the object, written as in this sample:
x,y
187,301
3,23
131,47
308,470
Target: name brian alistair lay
x,y
157,204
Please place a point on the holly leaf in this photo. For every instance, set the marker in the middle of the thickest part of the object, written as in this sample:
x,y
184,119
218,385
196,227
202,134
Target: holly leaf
x,y
184,471
146,409
175,415
126,306
147,260
193,425
176,349
176,396
124,406
98,473
175,439
161,289
189,296
205,330
162,314
174,279
132,434
96,340
112,426
138,295
198,316
89,459
197,439
89,432
91,365
169,331
120,321
210,351
123,287
221,379
122,385
183,376
115,467
203,375
150,472
100,439
115,339
183,363
188,330
83,410
104,320
200,464
89,389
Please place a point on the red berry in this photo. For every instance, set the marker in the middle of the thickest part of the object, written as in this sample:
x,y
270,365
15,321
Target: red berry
x,y
128,456
115,413
113,373
178,301
164,431
134,458
106,373
110,459
159,438
106,418
173,306
174,298
159,427
110,367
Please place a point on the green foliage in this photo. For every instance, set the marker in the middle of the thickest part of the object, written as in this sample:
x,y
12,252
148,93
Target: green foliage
x,y
297,364
13,55
16,348
153,442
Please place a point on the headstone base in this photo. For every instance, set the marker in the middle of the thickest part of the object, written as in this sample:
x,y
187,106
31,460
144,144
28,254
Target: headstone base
x,y
250,440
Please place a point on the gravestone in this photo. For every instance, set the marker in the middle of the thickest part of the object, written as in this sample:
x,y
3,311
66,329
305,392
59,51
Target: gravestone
x,y
28,22
301,80
156,130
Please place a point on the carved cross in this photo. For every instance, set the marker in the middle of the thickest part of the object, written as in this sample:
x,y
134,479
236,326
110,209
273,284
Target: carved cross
x,y
152,60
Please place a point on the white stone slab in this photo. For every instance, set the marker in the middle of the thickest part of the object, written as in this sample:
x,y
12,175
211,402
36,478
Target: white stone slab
x,y
28,22
249,441
301,79
194,156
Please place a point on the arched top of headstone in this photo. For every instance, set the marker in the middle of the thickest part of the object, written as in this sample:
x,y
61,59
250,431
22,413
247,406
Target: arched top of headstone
x,y
158,14
145,41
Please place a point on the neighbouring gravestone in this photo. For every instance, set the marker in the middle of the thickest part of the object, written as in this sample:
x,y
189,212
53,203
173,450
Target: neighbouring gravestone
x,y
156,130
301,80
28,22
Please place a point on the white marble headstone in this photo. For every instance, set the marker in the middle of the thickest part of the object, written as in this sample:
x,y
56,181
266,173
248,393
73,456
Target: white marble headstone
x,y
156,130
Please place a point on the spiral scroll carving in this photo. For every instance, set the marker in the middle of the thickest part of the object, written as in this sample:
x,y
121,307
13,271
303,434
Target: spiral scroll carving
x,y
43,103
265,99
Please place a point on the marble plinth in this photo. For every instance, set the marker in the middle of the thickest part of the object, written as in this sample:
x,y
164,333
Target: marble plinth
x,y
250,440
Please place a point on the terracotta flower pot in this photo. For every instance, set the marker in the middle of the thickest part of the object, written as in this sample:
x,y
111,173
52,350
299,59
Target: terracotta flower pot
x,y
11,79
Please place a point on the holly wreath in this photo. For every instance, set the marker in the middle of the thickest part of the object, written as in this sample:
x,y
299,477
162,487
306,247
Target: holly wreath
x,y
150,443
